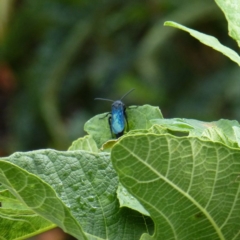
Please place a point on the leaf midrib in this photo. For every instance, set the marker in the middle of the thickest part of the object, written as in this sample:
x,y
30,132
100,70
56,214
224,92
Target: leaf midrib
x,y
208,216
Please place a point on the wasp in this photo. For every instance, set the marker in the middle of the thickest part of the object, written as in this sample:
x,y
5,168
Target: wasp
x,y
118,115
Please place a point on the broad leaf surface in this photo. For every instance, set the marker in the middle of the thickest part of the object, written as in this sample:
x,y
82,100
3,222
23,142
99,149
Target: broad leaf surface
x,y
74,190
40,198
138,118
187,185
208,40
231,9
15,215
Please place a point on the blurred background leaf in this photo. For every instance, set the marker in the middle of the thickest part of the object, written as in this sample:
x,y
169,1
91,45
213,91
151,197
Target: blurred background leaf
x,y
56,57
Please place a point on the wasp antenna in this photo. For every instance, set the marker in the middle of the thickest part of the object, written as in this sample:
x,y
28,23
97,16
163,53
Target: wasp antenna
x,y
104,99
127,93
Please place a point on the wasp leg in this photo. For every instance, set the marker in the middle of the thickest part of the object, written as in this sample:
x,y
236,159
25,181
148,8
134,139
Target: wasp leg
x,y
119,134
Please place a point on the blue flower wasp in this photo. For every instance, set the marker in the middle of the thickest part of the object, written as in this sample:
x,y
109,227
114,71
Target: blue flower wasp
x,y
118,115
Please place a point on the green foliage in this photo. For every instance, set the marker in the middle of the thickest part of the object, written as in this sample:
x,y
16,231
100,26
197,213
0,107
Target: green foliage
x,y
14,214
208,40
188,185
139,118
164,179
87,143
37,196
80,184
231,10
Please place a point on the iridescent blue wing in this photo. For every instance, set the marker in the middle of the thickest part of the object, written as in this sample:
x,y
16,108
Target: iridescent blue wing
x,y
118,120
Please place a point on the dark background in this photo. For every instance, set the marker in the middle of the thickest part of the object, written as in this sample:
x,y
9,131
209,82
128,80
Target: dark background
x,y
57,56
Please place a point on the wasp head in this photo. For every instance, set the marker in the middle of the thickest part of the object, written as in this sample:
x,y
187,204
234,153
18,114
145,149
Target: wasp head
x,y
118,104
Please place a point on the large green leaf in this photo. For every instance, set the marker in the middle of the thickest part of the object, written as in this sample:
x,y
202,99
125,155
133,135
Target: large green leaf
x,y
208,40
231,9
187,185
75,190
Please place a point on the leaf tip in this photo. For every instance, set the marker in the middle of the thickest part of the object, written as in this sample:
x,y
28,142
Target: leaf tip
x,y
168,23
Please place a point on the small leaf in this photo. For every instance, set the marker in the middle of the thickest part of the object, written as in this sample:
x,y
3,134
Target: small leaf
x,y
99,129
138,118
193,127
127,200
231,9
227,127
179,124
208,40
215,134
223,130
107,146
86,143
